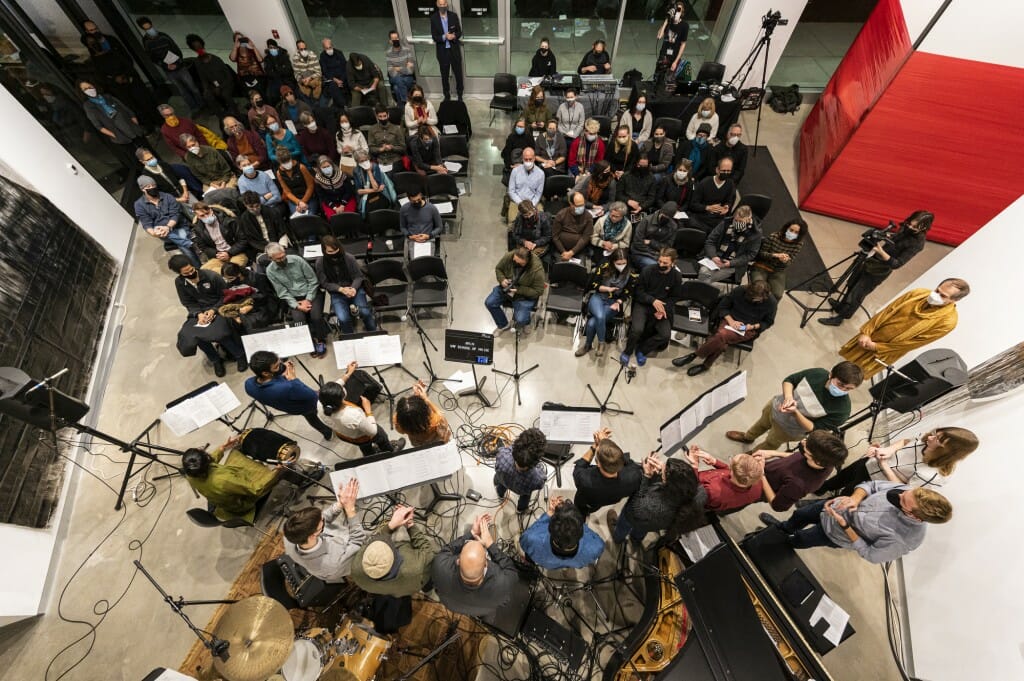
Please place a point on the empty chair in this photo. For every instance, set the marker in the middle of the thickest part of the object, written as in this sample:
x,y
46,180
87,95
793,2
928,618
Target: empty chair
x,y
697,301
292,586
445,189
711,72
759,204
390,285
383,226
429,279
308,229
361,116
396,114
567,284
673,127
351,231
689,244
454,112
407,183
503,96
558,186
606,126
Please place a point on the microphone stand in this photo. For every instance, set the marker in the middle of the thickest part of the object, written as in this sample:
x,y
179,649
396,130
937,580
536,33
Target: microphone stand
x,y
604,405
515,375
218,647
424,339
877,406
433,653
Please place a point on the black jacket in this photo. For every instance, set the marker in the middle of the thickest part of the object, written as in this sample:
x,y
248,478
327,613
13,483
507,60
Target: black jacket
x,y
158,46
249,230
513,142
656,228
593,59
437,32
206,295
638,187
539,233
668,190
228,229
904,246
654,284
543,65
738,154
423,157
333,66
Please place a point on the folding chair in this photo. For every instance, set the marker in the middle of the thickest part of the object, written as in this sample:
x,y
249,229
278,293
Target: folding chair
x,y
308,229
689,244
430,284
455,148
445,189
390,285
503,97
407,182
383,226
692,314
567,285
673,127
759,204
454,112
351,231
361,116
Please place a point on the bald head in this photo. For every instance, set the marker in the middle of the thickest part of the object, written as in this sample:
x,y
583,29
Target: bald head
x,y
472,563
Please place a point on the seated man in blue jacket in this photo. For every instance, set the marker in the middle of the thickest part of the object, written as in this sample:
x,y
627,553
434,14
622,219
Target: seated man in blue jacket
x,y
276,386
561,539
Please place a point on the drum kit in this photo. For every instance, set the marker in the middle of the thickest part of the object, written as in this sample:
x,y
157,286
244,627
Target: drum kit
x,y
263,646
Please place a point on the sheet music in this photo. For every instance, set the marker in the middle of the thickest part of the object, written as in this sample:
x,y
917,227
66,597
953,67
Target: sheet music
x,y
196,412
314,251
680,215
699,543
370,351
445,207
462,187
709,263
683,426
398,472
290,124
386,167
834,616
450,130
421,249
452,166
460,382
569,426
403,200
291,340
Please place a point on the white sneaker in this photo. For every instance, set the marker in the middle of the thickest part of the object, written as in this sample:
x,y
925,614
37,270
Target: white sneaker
x,y
500,330
572,320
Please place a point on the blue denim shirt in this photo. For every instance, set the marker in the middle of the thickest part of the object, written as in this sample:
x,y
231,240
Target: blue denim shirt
x,y
165,210
536,544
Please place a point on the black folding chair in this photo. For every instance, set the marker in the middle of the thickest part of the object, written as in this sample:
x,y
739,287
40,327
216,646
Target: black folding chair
x,y
503,97
567,284
454,112
606,126
445,189
689,244
383,226
351,231
711,72
361,116
455,148
308,229
390,285
408,182
692,314
673,127
430,284
759,204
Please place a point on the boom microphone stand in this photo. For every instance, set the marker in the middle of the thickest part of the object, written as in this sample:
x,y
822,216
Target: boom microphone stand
x,y
424,339
877,406
515,375
604,405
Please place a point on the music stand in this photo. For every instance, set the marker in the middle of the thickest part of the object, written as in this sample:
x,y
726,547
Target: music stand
x,y
516,374
341,361
287,341
424,339
473,348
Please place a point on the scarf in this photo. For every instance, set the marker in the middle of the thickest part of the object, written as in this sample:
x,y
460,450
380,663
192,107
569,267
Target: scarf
x,y
109,109
732,240
596,188
586,153
611,231
696,157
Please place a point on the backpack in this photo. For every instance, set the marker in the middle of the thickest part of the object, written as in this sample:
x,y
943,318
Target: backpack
x,y
785,99
631,78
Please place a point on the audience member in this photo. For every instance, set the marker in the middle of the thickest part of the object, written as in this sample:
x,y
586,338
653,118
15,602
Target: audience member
x,y
926,461
172,178
296,183
216,77
349,140
425,153
551,150
812,399
314,140
279,136
638,120
247,143
248,63
598,188
364,80
518,468
471,575
790,476
208,165
274,384
278,67
669,500
351,422
705,114
386,140
446,31
622,153
258,113
515,142
340,276
248,299
521,282
611,231
596,60
420,420
235,490
525,183
218,236
571,117
571,229
611,288
713,198
536,112
374,189
200,292
729,486
113,119
637,188
401,65
167,56
262,186
296,285
586,149
614,477
335,72
419,112
655,233
673,33
912,320
881,521
776,254
335,192
531,230
654,301
174,127
744,313
419,220
731,246
733,148
159,214
659,152
561,539
543,64
678,187
326,542
310,79
696,151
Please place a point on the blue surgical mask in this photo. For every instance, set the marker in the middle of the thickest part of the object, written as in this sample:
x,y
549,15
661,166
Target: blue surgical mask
x,y
327,171
273,127
520,130
151,32
700,141
250,171
791,235
579,209
152,163
834,391
274,52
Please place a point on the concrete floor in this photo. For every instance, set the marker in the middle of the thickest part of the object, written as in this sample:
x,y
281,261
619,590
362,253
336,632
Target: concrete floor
x,y
139,632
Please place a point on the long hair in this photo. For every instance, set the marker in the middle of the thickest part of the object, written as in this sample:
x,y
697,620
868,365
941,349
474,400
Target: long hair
x,y
681,484
955,444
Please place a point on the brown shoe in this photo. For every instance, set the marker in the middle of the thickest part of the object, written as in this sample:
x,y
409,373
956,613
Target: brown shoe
x,y
583,349
738,436
611,519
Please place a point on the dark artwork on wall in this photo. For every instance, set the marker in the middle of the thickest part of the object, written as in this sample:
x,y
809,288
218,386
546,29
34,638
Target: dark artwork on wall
x,y
55,286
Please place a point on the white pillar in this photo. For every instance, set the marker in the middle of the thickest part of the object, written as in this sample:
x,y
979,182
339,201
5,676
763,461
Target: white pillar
x,y
258,19
745,30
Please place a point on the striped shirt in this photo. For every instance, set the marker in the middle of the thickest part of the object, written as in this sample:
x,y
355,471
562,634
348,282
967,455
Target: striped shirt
x,y
774,243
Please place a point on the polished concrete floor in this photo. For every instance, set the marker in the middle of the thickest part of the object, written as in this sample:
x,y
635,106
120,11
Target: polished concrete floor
x,y
105,612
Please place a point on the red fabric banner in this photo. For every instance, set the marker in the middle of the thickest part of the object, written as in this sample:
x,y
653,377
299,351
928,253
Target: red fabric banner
x,y
872,61
947,136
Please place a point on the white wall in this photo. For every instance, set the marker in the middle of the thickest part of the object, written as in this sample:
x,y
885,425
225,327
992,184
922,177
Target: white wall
x,y
257,19
745,30
962,584
981,30
917,14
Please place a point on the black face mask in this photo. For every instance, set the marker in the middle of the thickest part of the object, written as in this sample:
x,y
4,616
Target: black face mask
x,y
384,122
257,103
152,191
642,170
893,496
396,44
334,256
665,270
724,175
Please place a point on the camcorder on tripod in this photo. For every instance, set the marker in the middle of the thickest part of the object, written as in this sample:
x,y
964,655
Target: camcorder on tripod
x,y
874,236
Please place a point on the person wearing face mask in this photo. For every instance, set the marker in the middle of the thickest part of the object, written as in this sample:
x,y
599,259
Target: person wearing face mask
x,y
166,54
731,246
251,180
386,140
638,120
678,187
587,149
884,257
278,135
655,233
446,32
530,230
598,188
713,198
218,236
536,113
517,140
571,117
247,143
525,183
520,277
734,149
306,66
314,140
551,150
248,63
911,321
159,214
401,65
776,254
373,186
659,152
812,399
334,189
216,78
174,179
207,164
705,114
258,112
113,119
596,61
623,152
296,182
349,140
611,286
339,274
654,300
364,79
334,68
261,222
612,231
543,64
419,111
200,292
291,107
175,126
419,220
425,153
673,32
278,66
248,300
572,228
637,188
697,151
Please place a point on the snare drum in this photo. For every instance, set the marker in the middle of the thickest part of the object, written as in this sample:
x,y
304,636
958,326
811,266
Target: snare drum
x,y
313,651
359,651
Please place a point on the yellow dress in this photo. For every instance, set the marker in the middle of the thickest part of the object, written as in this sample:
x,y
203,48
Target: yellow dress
x,y
906,323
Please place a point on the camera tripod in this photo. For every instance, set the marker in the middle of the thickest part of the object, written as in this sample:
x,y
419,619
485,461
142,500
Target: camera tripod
x,y
768,24
839,287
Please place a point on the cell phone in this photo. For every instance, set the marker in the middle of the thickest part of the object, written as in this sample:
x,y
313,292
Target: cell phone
x,y
473,495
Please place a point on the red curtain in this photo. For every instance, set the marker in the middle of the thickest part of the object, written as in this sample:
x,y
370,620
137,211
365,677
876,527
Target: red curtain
x,y
947,136
870,64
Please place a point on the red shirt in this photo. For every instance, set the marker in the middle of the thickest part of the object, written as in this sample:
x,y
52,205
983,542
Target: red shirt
x,y
723,493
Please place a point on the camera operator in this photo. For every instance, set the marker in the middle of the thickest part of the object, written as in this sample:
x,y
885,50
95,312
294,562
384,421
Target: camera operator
x,y
673,32
886,255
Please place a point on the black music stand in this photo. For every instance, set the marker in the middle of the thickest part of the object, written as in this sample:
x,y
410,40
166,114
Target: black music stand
x,y
516,374
473,348
378,372
424,339
604,405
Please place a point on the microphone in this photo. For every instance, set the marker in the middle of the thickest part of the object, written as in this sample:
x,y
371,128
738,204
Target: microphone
x,y
46,381
892,367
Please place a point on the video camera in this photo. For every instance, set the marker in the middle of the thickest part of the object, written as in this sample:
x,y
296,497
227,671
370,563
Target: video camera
x,y
772,19
873,237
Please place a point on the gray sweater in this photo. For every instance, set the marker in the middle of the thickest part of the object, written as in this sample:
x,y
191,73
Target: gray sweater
x,y
476,601
653,507
886,532
331,559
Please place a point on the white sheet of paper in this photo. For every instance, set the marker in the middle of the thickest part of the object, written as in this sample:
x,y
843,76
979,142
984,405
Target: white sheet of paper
x,y
171,58
314,251
370,351
536,80
691,419
709,263
421,249
694,314
680,215
452,166
445,207
291,126
405,470
450,129
385,167
569,426
462,188
403,200
836,617
460,383
291,340
699,543
197,411
297,214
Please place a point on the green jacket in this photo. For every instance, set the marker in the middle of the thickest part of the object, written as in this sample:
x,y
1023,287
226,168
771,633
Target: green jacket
x,y
417,556
293,281
234,487
530,284
208,167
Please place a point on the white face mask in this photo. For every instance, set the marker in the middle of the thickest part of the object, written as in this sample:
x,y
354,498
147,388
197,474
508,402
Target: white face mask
x,y
528,165
346,126
591,138
935,299
90,92
570,102
705,114
680,176
365,165
209,219
734,140
621,267
791,235
329,51
287,165
304,53
311,127
193,150
640,106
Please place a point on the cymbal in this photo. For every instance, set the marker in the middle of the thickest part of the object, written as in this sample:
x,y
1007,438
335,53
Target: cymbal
x,y
260,637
